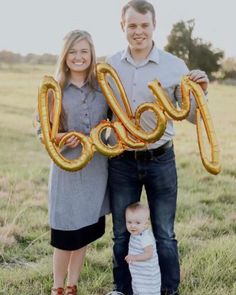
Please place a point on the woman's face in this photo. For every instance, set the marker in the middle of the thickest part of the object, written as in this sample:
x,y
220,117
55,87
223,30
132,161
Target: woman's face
x,y
79,57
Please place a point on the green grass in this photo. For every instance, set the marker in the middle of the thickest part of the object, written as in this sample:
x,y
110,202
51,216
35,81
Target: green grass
x,y
205,221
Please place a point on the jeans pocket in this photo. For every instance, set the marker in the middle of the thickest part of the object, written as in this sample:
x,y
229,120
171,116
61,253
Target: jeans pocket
x,y
166,157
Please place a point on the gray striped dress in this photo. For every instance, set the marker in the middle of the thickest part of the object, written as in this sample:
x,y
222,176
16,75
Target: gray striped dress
x,y
78,199
146,277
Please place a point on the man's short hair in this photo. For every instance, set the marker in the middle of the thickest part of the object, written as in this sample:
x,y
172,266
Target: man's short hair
x,y
140,6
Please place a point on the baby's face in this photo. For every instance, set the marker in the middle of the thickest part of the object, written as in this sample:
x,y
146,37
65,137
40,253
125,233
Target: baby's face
x,y
137,221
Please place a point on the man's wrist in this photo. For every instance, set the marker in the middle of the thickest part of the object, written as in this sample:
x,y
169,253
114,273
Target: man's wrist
x,y
205,92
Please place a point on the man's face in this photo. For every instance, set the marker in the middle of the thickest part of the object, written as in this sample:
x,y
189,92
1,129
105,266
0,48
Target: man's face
x,y
138,29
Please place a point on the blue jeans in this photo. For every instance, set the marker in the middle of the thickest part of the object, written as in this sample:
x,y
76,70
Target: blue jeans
x,y
126,179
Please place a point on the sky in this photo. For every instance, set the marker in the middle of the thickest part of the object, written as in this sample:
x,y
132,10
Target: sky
x,y
38,26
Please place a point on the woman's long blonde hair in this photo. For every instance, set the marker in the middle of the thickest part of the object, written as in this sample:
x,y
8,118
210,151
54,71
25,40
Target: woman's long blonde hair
x,y
62,73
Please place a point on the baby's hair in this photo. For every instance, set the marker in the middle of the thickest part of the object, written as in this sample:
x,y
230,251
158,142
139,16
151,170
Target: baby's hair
x,y
136,206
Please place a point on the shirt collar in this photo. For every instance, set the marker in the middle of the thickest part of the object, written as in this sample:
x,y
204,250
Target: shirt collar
x,y
126,55
69,83
153,56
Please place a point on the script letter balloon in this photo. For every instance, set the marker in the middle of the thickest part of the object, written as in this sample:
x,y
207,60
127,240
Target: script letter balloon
x,y
127,126
49,134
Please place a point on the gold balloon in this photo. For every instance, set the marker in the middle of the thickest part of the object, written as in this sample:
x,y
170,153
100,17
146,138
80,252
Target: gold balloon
x,y
109,151
202,112
166,104
50,134
129,134
127,127
125,118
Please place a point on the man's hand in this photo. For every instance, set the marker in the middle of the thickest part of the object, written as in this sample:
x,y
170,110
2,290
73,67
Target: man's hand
x,y
199,77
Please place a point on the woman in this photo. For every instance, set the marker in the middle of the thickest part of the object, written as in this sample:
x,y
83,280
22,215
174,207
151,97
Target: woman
x,y
78,201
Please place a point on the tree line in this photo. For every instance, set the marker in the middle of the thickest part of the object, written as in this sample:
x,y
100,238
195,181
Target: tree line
x,y
194,51
11,58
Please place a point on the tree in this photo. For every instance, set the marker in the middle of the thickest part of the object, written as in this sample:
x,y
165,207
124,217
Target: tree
x,y
180,40
228,68
194,51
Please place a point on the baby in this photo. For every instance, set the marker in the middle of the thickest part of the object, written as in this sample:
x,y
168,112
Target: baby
x,y
142,256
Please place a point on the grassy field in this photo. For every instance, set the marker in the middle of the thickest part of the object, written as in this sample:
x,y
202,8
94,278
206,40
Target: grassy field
x,y
206,216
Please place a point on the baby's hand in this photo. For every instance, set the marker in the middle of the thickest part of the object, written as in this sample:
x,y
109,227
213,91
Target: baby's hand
x,y
130,258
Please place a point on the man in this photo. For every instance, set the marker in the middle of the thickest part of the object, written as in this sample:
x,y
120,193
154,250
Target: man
x,y
153,168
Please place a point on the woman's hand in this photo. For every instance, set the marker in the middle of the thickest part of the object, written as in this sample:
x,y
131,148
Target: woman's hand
x,y
59,137
72,142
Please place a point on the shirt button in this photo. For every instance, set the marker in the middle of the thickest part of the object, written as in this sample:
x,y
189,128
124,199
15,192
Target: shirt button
x,y
86,114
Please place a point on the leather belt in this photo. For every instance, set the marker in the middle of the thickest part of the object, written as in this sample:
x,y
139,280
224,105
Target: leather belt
x,y
147,154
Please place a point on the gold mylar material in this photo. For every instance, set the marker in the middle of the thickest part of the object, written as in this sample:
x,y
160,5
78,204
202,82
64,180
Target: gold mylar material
x,y
127,127
92,143
202,112
96,133
49,134
166,104
125,118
